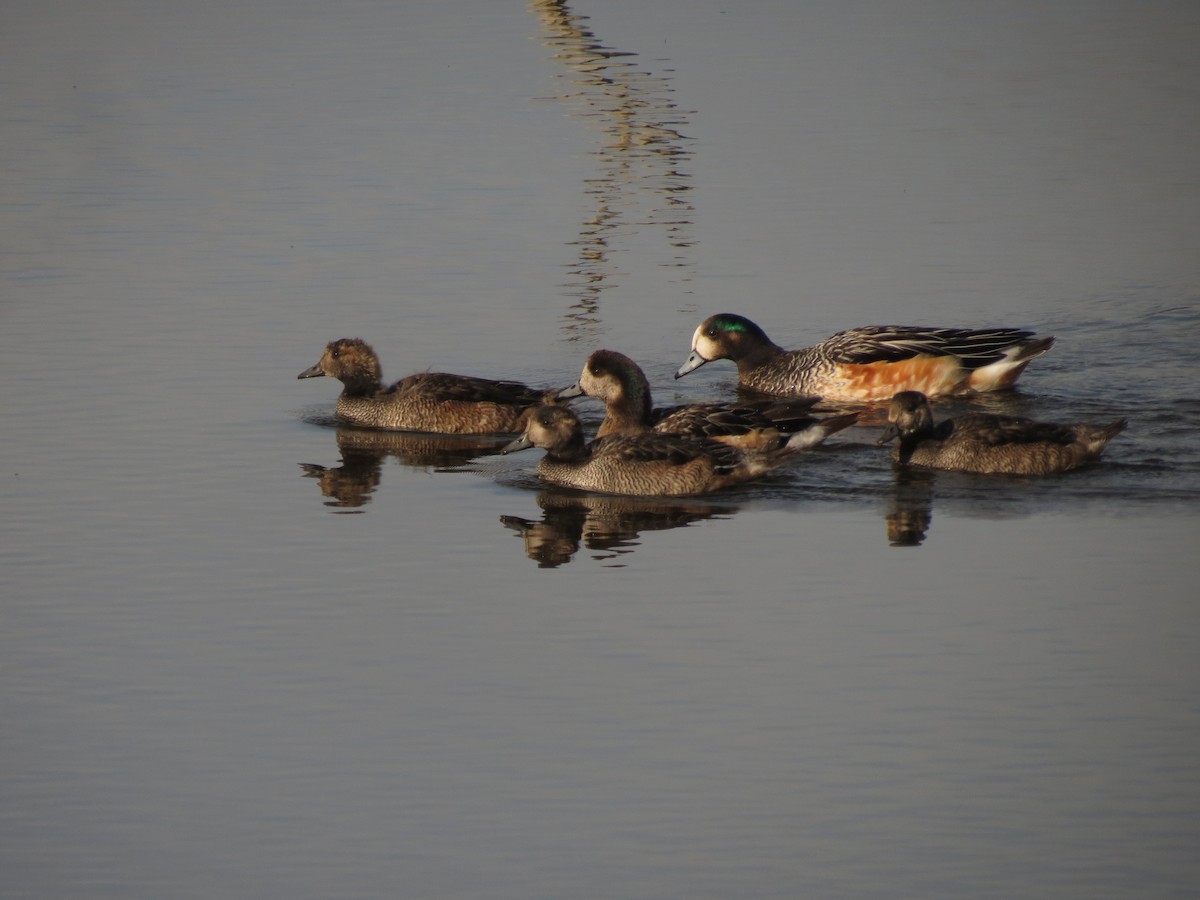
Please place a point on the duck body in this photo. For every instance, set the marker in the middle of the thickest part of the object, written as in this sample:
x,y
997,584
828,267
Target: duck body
x,y
642,464
990,444
871,363
426,401
621,385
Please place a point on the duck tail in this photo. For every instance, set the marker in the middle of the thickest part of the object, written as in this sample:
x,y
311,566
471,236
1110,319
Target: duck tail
x,y
1004,372
1097,438
1031,349
815,433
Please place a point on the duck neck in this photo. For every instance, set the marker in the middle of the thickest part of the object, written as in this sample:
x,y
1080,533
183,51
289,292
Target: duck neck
x,y
905,447
630,412
919,429
573,450
758,355
362,383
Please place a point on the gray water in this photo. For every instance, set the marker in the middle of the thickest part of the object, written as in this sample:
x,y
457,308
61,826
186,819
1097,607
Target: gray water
x,y
246,653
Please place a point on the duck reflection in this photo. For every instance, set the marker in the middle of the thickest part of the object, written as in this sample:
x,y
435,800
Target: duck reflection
x,y
910,508
609,525
641,184
350,485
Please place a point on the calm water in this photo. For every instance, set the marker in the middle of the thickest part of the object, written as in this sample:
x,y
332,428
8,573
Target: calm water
x,y
246,653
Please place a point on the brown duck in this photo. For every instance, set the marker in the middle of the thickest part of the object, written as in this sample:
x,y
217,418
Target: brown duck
x,y
426,401
991,444
644,464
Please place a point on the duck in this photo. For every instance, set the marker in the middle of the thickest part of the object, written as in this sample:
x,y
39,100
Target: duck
x,y
620,384
871,363
647,464
426,401
990,444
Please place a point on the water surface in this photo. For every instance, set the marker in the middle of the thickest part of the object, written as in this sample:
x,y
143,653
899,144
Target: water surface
x,y
249,653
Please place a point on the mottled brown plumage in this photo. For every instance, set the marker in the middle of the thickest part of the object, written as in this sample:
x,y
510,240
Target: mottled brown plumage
x,y
426,401
990,444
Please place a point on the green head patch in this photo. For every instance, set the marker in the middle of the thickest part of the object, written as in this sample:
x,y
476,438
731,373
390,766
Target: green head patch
x,y
731,324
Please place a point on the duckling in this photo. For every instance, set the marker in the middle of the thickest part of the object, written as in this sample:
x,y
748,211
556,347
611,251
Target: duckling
x,y
870,363
990,444
645,464
620,384
426,401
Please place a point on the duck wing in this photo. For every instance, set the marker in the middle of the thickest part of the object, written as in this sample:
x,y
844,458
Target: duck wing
x,y
714,420
893,343
996,431
442,387
675,450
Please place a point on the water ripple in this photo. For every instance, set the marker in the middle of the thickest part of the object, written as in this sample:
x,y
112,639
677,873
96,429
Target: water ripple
x,y
642,185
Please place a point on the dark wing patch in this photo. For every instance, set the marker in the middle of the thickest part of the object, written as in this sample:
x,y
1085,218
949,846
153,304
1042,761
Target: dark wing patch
x,y
443,387
996,431
715,420
675,450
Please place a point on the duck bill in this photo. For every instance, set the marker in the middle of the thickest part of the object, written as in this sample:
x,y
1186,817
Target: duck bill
x,y
521,443
569,392
694,361
889,434
313,372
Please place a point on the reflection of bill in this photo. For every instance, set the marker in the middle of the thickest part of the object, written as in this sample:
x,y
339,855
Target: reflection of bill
x,y
641,187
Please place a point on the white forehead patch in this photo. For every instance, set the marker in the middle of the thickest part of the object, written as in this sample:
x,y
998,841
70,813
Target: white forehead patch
x,y
704,345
